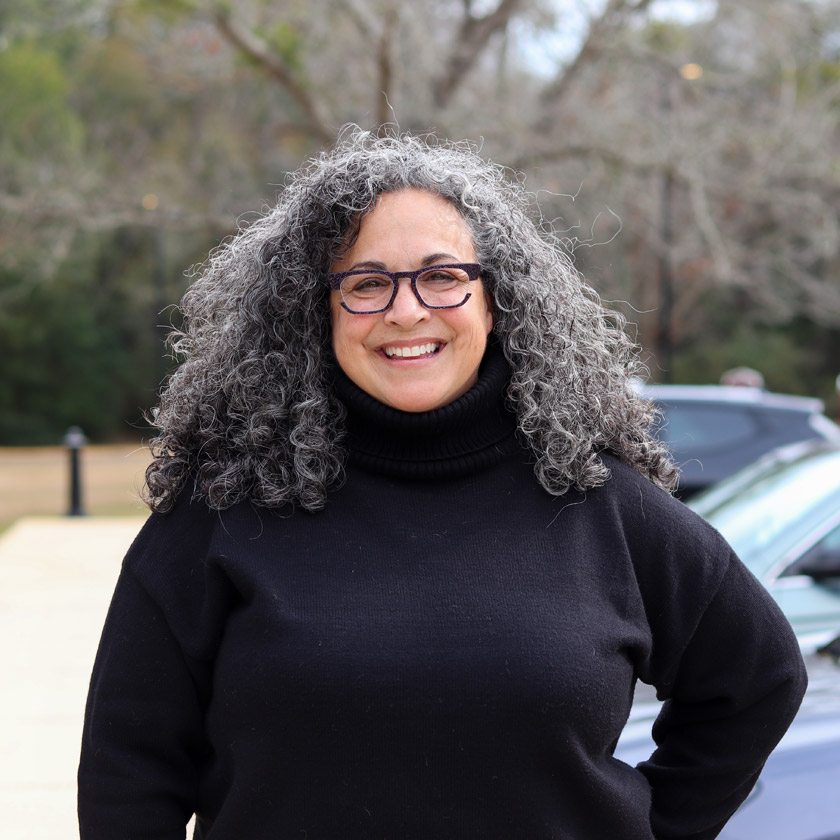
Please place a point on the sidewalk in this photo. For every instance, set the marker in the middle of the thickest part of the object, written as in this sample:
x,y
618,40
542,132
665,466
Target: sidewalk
x,y
56,579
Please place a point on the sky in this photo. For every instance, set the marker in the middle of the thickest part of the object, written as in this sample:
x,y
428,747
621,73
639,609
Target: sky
x,y
546,49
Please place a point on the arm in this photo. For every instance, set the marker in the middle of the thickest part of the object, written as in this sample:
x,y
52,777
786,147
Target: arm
x,y
143,734
730,693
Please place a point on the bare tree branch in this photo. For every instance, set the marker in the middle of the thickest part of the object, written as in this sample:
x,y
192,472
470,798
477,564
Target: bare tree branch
x,y
614,17
385,56
359,12
708,227
92,214
560,153
470,41
258,51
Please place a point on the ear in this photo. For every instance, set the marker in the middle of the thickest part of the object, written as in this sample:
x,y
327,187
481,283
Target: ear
x,y
488,301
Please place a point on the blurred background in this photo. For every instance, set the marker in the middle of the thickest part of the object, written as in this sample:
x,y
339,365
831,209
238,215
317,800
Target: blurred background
x,y
686,152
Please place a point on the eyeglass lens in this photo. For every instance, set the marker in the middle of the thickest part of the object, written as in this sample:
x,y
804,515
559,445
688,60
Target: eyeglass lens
x,y
369,291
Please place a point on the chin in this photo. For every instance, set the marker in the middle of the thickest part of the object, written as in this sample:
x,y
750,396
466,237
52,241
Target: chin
x,y
416,406
420,399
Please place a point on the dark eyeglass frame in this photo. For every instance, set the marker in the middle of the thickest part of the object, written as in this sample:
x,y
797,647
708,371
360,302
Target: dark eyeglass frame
x,y
336,278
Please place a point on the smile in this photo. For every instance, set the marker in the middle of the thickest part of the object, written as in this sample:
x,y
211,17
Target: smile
x,y
411,352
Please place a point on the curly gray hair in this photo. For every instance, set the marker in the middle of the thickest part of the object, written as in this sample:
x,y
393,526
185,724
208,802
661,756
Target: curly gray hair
x,y
250,413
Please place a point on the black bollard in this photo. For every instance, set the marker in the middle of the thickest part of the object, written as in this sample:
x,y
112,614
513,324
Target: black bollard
x,y
74,440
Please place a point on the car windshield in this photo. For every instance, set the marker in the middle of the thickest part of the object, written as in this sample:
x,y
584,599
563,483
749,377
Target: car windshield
x,y
765,507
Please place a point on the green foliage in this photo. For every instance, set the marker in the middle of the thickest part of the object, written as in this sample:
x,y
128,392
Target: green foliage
x,y
289,45
61,363
113,80
115,96
40,131
85,347
815,79
665,38
829,72
787,364
28,18
170,11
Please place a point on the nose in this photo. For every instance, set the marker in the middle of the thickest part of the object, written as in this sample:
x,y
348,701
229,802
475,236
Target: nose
x,y
406,310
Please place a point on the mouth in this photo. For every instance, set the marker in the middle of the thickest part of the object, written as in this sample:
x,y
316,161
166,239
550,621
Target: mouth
x,y
416,351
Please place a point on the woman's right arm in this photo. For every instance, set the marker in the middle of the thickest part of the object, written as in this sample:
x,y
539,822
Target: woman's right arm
x,y
144,739
143,734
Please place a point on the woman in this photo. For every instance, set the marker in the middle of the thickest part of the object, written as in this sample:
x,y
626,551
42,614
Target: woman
x,y
409,556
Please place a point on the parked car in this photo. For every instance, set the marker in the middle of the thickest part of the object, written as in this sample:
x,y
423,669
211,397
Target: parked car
x,y
795,797
782,517
714,430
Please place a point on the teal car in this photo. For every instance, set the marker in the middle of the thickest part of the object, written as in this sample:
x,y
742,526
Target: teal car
x,y
782,517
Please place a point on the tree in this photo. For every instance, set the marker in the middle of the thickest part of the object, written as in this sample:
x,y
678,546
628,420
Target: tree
x,y
689,166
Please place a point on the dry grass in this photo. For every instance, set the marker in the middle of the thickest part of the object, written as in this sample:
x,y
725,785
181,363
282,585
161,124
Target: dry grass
x,y
35,481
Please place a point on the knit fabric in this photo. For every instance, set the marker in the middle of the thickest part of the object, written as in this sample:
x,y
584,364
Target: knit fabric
x,y
446,652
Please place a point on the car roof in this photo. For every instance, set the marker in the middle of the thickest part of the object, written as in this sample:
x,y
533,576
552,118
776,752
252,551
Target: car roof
x,y
741,394
713,430
770,462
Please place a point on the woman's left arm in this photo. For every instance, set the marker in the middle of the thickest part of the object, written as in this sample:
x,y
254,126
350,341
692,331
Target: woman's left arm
x,y
731,691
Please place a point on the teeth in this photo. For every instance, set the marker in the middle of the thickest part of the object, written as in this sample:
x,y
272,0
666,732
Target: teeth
x,y
409,352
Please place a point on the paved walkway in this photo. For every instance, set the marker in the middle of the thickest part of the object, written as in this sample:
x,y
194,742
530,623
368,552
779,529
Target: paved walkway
x,y
56,579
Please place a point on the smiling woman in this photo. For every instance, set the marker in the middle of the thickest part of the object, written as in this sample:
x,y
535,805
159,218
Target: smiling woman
x,y
412,546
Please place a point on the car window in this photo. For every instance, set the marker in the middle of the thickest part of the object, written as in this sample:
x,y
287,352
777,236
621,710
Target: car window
x,y
824,553
767,507
695,425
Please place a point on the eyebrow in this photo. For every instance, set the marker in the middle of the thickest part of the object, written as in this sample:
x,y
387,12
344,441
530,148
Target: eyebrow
x,y
432,259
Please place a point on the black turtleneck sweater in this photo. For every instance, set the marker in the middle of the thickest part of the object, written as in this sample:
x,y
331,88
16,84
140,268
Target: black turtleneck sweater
x,y
446,652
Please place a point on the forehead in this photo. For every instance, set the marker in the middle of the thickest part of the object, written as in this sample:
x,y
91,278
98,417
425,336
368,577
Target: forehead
x,y
407,223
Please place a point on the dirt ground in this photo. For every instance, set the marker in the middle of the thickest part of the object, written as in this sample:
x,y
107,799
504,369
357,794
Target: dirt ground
x,y
35,481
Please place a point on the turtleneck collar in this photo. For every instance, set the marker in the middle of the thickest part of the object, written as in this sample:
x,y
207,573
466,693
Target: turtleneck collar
x,y
471,433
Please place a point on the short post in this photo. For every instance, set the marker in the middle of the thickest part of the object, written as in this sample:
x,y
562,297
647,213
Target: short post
x,y
74,440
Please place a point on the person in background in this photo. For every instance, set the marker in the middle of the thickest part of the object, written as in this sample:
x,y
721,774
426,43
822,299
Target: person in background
x,y
743,376
412,545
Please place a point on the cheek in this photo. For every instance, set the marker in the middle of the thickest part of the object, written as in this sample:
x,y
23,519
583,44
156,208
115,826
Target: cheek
x,y
340,341
482,318
348,336
339,323
482,313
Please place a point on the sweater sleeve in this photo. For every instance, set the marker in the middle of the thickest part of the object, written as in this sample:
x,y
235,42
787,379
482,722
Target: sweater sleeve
x,y
730,694
142,734
143,740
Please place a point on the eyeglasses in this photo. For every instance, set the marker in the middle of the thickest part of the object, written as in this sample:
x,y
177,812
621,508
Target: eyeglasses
x,y
365,290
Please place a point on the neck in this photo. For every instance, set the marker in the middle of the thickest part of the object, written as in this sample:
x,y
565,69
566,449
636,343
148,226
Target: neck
x,y
474,431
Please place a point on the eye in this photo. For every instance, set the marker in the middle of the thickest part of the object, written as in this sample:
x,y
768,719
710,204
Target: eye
x,y
439,275
360,284
443,277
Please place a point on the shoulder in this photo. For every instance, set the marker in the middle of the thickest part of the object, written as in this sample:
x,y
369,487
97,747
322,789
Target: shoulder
x,y
180,564
672,548
184,530
179,552
641,504
181,544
